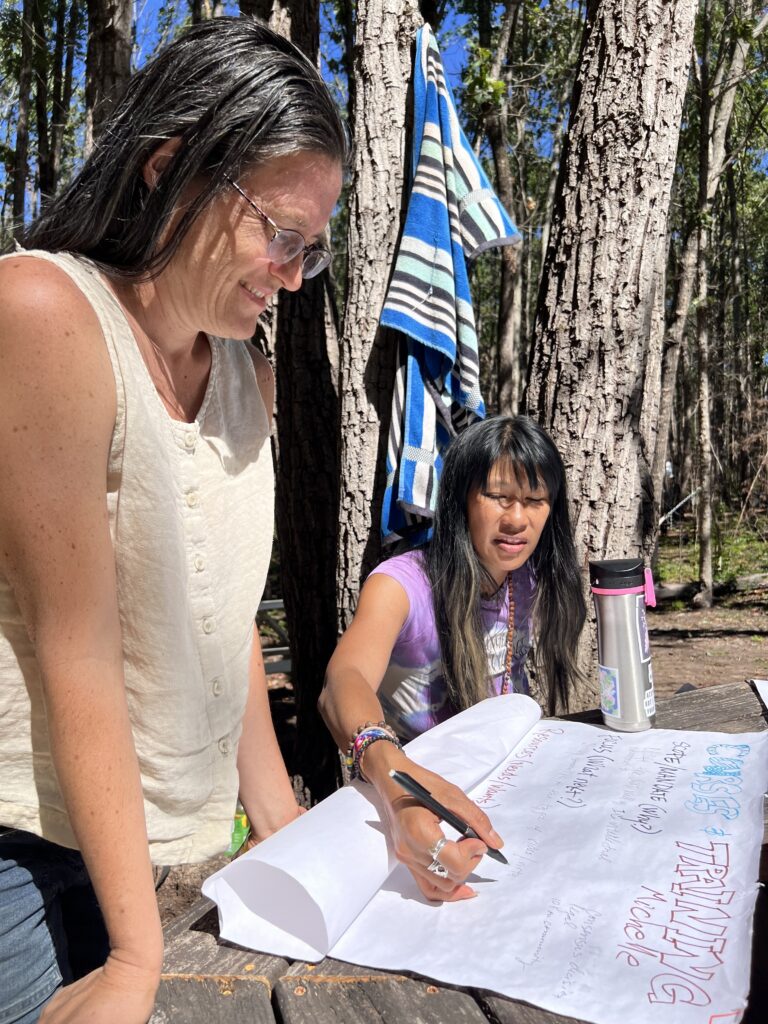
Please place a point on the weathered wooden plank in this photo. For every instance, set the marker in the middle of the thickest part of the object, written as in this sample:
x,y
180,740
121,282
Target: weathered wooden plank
x,y
194,949
196,999
188,918
732,707
348,1000
507,1011
336,970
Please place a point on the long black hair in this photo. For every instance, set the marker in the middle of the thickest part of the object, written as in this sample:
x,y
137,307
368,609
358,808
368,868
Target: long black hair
x,y
236,95
458,577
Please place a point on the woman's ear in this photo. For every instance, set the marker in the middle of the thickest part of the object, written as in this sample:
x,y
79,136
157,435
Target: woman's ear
x,y
158,161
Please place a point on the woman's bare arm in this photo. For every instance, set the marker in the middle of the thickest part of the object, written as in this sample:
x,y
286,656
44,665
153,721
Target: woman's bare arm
x,y
57,413
349,699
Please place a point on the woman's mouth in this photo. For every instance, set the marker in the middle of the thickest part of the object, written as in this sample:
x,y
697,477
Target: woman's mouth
x,y
254,293
510,545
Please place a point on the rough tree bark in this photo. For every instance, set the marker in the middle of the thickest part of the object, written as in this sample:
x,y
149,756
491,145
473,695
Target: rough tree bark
x,y
304,342
108,60
383,59
602,272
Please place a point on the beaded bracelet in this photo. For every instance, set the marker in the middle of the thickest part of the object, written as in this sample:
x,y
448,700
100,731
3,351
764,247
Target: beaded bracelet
x,y
365,735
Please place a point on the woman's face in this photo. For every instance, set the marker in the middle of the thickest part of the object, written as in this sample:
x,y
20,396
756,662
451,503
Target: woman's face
x,y
221,279
506,519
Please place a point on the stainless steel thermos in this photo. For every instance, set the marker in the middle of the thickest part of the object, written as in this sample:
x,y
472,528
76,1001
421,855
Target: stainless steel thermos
x,y
621,588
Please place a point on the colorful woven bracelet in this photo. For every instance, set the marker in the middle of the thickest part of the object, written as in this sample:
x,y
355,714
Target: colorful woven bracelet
x,y
364,736
357,770
360,733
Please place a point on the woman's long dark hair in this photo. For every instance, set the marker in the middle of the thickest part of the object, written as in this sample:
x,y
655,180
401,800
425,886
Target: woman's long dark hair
x,y
236,94
458,578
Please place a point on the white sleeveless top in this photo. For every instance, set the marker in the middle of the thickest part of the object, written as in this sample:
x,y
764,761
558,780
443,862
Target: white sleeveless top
x,y
191,517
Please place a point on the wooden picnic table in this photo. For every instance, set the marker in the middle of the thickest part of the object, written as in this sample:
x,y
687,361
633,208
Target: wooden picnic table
x,y
209,981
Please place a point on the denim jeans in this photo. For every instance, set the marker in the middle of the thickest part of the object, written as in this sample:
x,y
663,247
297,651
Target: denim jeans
x,y
51,928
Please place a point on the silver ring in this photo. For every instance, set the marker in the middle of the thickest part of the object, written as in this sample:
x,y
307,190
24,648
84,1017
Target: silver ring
x,y
438,869
435,848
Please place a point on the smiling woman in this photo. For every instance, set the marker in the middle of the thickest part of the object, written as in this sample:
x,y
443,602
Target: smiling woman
x,y
136,509
438,629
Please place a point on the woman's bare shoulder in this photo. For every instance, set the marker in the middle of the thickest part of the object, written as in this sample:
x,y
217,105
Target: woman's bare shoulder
x,y
51,338
30,284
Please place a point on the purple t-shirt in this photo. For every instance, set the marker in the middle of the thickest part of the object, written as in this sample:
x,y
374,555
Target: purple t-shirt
x,y
413,692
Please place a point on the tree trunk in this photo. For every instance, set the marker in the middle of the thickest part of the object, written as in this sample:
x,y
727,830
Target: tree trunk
x,y
673,339
717,99
601,276
497,130
40,63
61,92
258,8
108,60
304,335
383,61
20,158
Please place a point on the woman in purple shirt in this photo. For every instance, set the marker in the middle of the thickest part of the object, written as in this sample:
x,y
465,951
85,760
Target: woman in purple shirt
x,y
438,629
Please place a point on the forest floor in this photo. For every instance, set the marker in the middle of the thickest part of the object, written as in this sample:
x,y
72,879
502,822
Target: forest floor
x,y
724,644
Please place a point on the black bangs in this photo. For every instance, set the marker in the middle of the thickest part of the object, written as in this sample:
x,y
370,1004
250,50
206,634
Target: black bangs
x,y
517,441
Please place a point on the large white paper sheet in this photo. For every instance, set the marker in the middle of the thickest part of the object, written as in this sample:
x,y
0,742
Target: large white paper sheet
x,y
630,889
296,893
761,685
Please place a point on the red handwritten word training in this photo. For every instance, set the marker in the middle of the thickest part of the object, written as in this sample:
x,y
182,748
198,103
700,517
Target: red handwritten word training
x,y
689,938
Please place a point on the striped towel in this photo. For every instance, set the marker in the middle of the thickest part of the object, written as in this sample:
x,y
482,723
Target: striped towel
x,y
453,214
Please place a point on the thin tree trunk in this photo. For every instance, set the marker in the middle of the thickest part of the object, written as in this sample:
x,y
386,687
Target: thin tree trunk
x,y
383,60
601,277
20,162
40,63
108,60
67,15
704,437
497,130
673,339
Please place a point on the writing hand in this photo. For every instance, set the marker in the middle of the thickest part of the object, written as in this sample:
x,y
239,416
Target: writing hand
x,y
415,830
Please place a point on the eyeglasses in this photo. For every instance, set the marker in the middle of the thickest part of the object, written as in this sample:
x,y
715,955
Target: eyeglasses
x,y
286,244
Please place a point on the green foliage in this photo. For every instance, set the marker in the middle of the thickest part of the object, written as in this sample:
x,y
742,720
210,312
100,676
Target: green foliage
x,y
481,90
738,552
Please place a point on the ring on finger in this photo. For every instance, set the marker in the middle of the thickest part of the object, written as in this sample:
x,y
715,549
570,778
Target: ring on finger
x,y
438,869
435,848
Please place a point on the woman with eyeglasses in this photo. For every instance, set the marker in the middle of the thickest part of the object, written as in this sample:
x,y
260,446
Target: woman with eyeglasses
x,y
136,508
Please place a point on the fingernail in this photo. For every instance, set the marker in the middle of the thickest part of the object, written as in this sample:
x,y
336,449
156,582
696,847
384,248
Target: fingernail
x,y
495,836
470,895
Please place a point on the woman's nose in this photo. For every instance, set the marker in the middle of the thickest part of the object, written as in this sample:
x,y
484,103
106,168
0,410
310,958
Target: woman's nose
x,y
513,515
289,274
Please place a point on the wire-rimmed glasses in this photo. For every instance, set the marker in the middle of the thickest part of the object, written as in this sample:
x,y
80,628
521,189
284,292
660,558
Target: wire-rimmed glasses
x,y
286,244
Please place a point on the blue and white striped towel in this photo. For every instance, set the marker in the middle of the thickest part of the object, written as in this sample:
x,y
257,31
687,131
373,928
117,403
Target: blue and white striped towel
x,y
453,214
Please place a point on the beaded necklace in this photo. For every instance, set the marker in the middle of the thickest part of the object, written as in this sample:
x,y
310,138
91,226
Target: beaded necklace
x,y
507,677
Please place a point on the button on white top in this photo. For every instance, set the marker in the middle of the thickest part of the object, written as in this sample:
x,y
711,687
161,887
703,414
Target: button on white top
x,y
190,439
217,686
199,563
209,624
225,746
193,499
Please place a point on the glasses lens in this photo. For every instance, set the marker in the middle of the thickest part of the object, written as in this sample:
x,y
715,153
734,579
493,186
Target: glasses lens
x,y
315,261
285,246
